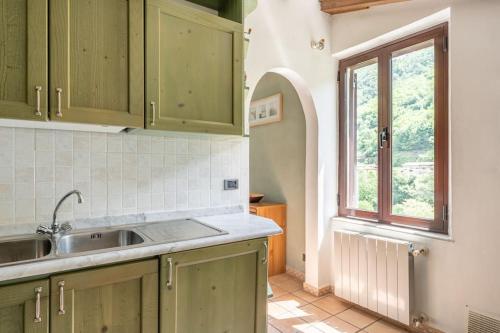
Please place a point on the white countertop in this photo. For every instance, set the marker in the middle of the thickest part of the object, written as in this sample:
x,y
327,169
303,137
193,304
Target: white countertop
x,y
239,227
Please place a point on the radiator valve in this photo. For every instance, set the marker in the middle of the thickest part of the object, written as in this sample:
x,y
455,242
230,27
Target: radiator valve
x,y
419,320
418,251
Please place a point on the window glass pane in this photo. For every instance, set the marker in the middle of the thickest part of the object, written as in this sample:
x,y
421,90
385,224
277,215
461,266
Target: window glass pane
x,y
362,124
413,131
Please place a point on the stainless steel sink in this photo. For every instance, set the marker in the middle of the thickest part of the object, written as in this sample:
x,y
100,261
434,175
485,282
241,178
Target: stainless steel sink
x,y
30,248
24,249
98,240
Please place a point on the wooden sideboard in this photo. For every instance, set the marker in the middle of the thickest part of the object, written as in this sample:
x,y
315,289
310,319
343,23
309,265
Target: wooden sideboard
x,y
277,244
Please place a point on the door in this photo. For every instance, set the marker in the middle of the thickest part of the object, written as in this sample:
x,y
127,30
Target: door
x,y
194,70
116,299
97,62
23,59
24,307
215,289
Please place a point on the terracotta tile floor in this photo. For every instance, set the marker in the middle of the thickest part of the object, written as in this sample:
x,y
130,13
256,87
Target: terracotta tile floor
x,y
292,310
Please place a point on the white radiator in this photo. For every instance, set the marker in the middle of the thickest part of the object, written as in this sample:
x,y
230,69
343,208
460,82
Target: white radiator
x,y
375,273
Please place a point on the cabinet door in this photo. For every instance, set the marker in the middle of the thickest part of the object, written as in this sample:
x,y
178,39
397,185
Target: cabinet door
x,y
277,243
24,307
97,62
194,72
117,299
23,59
215,289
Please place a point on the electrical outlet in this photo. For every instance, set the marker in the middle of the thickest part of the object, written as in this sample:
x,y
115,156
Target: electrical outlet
x,y
231,184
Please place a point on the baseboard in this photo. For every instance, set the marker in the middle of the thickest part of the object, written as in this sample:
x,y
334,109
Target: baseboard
x,y
295,273
425,329
315,291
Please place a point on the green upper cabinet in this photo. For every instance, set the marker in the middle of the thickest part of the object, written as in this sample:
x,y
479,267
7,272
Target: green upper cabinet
x,y
24,307
23,59
116,299
194,67
97,61
215,289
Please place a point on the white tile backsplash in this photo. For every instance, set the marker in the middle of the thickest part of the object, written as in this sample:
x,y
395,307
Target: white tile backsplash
x,y
117,173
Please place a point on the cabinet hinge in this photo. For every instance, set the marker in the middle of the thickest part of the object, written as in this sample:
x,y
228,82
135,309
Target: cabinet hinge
x,y
338,76
338,199
445,213
445,44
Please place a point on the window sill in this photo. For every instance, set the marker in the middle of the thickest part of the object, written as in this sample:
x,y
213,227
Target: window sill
x,y
357,225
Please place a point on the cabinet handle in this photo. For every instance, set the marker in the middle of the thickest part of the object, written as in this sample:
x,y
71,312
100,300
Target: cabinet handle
x,y
170,273
265,259
61,298
37,108
59,112
153,107
38,294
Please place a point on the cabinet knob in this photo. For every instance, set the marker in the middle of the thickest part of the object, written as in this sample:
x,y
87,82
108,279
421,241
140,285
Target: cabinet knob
x,y
38,89
153,107
60,284
59,102
170,273
38,294
266,255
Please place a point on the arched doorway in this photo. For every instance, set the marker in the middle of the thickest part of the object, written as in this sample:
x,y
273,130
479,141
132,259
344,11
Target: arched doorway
x,y
277,164
312,235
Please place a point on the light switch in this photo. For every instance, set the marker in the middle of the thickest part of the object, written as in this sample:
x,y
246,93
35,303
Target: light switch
x,y
230,184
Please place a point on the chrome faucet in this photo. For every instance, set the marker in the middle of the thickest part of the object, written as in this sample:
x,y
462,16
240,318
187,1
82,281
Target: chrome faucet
x,y
55,228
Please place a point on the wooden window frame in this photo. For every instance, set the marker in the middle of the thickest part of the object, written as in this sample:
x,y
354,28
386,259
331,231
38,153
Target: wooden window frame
x,y
439,34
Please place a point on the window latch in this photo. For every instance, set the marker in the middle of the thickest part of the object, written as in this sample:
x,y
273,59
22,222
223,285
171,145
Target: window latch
x,y
384,137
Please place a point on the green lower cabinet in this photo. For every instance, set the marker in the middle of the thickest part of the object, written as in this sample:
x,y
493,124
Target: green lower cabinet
x,y
219,289
215,289
116,299
24,307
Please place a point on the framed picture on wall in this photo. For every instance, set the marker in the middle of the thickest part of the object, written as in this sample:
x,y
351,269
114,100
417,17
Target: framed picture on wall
x,y
266,110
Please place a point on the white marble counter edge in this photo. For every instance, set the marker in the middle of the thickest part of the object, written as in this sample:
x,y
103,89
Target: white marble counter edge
x,y
240,227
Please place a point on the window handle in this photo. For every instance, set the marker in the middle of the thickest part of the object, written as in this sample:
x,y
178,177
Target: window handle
x,y
384,137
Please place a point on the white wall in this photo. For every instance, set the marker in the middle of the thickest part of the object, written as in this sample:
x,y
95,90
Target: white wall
x,y
117,173
465,271
281,35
